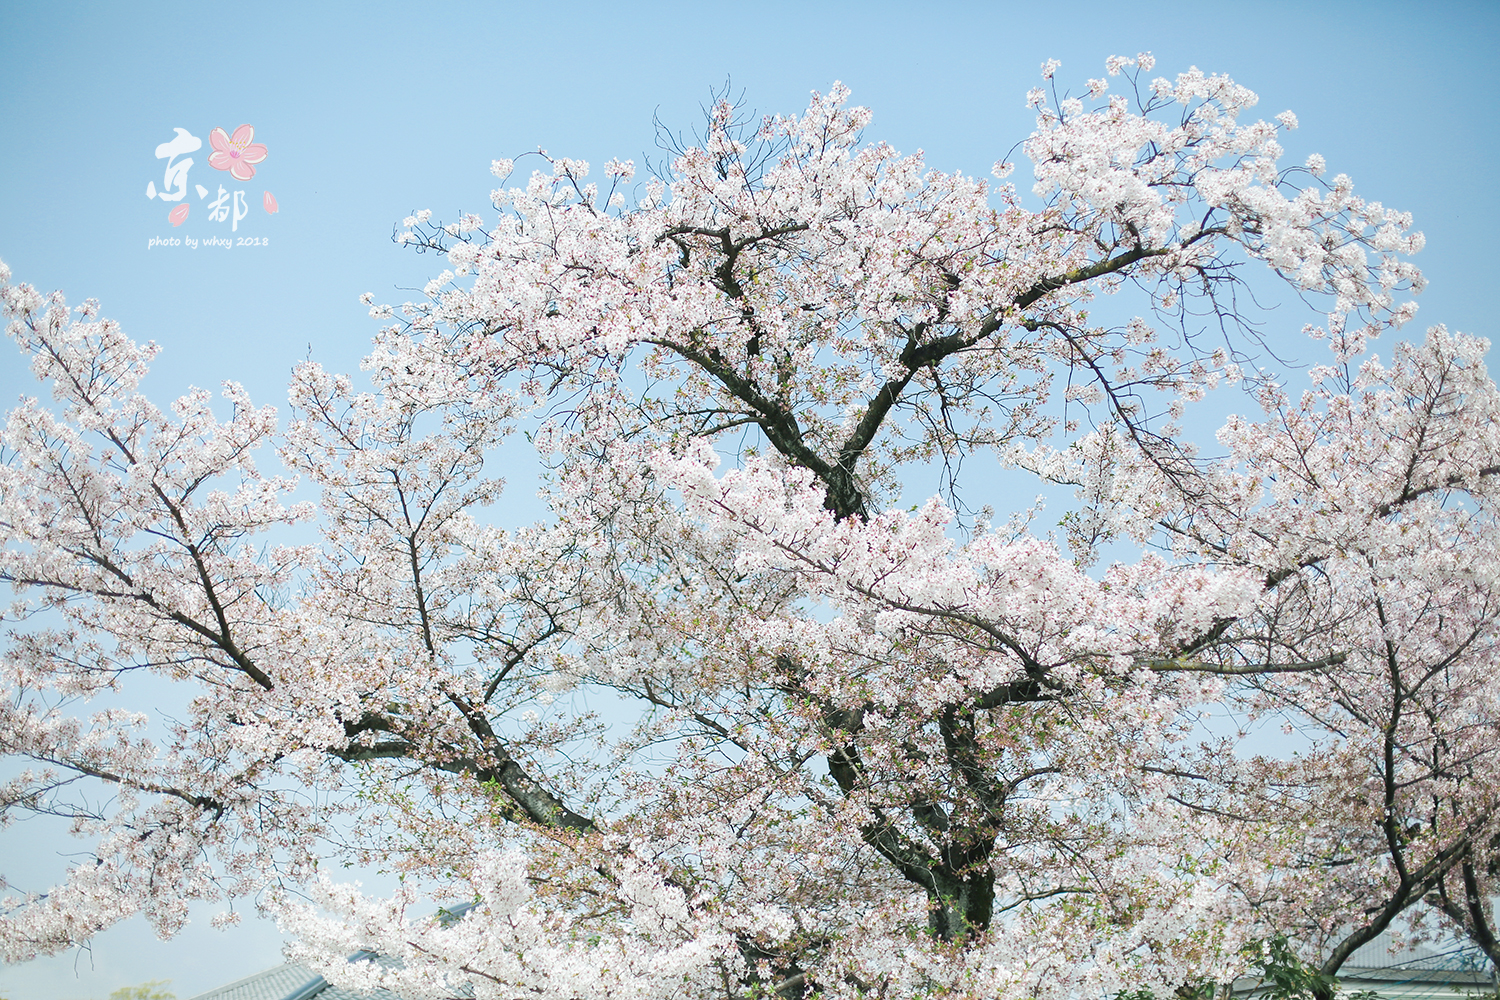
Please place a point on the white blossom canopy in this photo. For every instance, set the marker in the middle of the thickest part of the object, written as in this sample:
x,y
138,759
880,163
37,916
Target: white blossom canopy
x,y
880,750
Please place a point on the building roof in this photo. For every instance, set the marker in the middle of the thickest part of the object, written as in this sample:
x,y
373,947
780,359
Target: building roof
x,y
1416,970
1408,972
284,980
294,981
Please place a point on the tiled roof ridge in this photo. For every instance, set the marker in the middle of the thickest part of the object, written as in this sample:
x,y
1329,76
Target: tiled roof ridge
x,y
309,984
243,989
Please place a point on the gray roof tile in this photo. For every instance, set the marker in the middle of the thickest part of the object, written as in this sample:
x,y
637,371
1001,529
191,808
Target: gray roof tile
x,y
272,984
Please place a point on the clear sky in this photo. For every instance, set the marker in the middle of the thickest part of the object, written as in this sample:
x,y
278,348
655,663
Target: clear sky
x,y
369,111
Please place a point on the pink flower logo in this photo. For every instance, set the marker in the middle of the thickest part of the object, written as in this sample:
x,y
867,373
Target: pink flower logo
x,y
236,153
178,215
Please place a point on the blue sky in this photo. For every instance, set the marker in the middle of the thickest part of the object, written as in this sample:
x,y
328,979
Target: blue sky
x,y
370,111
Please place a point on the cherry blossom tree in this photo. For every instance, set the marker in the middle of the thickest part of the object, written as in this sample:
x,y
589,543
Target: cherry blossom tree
x,y
877,748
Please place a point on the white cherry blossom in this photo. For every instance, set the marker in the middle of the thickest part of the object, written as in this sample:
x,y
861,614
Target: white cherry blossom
x,y
881,748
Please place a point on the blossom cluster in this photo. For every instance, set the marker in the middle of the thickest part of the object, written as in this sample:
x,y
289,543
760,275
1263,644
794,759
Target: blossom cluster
x,y
875,748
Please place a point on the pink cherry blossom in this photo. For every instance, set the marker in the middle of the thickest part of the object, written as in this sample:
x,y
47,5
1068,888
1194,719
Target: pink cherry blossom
x,y
236,153
878,742
178,215
269,201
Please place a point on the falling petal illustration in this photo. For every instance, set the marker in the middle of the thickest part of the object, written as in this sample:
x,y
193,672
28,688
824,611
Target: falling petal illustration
x,y
269,200
178,215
